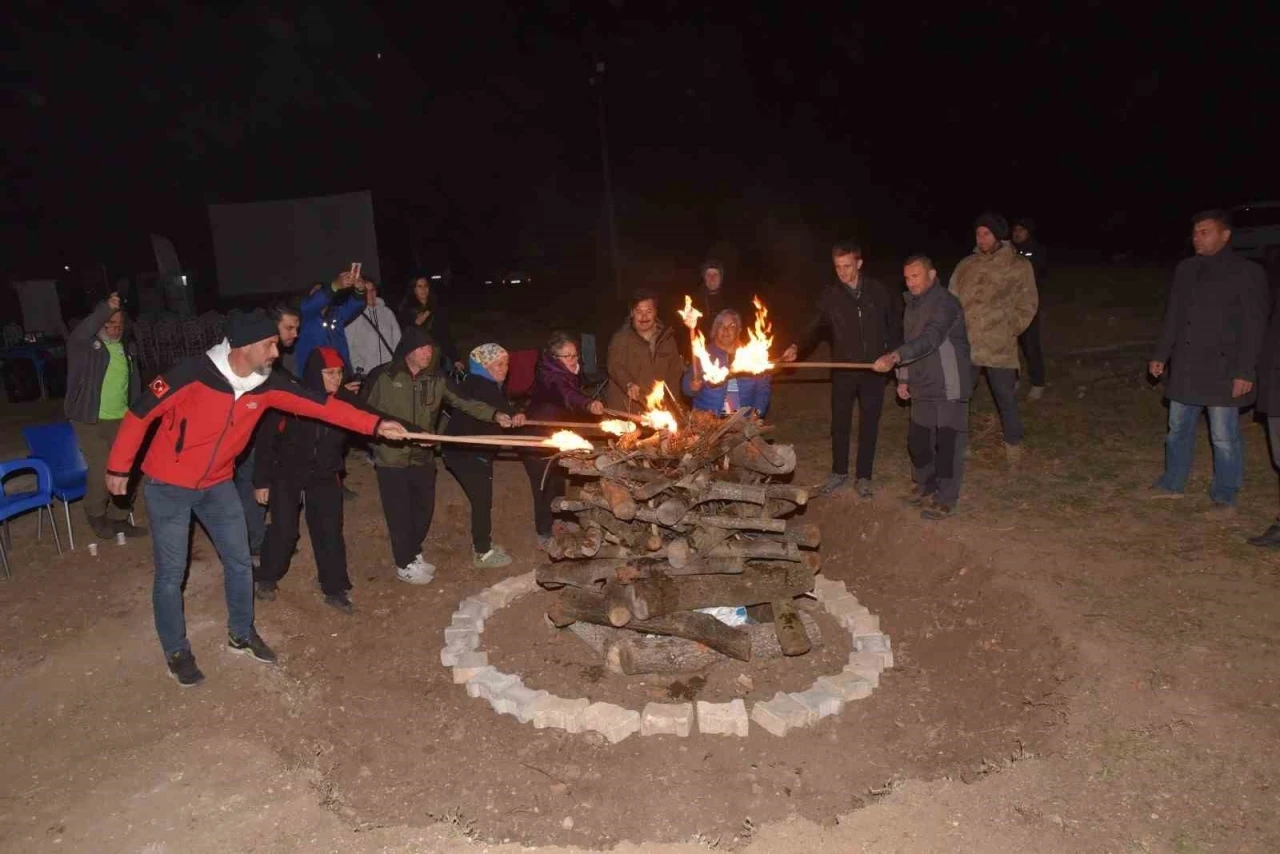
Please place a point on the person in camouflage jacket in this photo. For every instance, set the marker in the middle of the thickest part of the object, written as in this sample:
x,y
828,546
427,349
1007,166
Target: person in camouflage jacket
x,y
997,289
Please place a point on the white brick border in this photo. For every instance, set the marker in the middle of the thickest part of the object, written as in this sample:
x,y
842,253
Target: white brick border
x,y
508,695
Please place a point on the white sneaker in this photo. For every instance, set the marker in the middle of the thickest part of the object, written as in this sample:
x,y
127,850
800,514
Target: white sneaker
x,y
417,572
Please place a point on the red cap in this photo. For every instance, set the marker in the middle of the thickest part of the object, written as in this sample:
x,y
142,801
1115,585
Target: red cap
x,y
332,358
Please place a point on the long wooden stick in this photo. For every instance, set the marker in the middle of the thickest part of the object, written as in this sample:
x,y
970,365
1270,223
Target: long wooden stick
x,y
630,416
853,366
567,425
501,441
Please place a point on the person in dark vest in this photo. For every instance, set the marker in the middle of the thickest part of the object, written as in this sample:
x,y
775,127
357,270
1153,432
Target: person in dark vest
x,y
472,465
1208,356
302,457
1026,245
102,381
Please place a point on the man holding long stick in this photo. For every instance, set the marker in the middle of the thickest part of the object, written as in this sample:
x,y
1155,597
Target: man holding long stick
x,y
207,408
864,322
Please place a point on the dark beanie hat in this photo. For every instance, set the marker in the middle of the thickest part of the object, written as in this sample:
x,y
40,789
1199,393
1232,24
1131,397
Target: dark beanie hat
x,y
994,223
249,328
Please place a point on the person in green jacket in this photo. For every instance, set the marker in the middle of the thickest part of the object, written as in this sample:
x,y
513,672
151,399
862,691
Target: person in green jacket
x,y
412,389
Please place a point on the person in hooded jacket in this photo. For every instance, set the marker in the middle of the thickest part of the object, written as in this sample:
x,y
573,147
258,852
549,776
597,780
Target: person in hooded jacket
x,y
729,396
413,387
641,353
472,465
557,396
302,456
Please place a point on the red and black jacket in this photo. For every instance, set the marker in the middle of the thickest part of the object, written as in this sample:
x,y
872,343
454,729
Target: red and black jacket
x,y
203,427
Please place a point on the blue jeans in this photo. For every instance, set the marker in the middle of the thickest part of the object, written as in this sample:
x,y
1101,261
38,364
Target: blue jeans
x,y
169,508
255,515
1228,450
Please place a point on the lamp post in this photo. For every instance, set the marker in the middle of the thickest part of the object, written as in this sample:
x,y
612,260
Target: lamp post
x,y
597,83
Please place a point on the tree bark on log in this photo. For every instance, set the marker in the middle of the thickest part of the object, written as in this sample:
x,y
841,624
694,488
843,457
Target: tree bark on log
x,y
789,629
577,573
748,457
574,604
626,652
659,595
618,499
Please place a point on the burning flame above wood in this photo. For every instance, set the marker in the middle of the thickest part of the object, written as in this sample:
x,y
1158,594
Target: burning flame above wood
x,y
567,440
753,357
618,427
656,417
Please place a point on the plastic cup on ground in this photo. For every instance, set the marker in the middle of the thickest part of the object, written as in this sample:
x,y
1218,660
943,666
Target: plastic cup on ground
x,y
93,549
120,538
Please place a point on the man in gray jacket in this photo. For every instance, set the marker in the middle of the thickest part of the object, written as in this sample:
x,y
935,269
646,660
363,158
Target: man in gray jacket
x,y
934,373
102,381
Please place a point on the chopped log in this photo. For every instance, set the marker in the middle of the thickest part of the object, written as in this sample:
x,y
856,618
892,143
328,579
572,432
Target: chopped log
x,y
794,494
658,595
671,511
574,545
808,535
618,500
626,652
736,523
620,604
568,505
746,456
629,535
574,604
615,466
577,573
758,549
642,567
724,490
705,539
790,630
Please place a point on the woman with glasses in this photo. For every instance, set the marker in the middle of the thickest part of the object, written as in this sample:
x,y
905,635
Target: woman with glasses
x,y
557,396
738,390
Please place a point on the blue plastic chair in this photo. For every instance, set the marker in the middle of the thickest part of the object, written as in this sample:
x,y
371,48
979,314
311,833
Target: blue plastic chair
x,y
56,446
17,503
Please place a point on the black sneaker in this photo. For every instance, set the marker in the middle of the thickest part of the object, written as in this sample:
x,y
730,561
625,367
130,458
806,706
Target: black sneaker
x,y
341,601
104,529
124,526
182,666
919,496
252,645
1269,539
265,590
937,511
832,484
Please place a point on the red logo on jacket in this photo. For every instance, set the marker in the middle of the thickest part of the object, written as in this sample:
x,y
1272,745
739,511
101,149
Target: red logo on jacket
x,y
159,387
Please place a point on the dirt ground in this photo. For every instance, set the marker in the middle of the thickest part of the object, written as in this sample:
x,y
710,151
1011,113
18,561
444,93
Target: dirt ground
x,y
1077,670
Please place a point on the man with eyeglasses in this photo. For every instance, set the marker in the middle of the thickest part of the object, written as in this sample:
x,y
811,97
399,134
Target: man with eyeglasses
x,y
102,380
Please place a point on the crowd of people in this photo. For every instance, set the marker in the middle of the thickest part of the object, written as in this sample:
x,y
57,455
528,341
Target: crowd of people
x,y
255,433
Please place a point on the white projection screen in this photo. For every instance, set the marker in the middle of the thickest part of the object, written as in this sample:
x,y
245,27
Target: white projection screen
x,y
285,245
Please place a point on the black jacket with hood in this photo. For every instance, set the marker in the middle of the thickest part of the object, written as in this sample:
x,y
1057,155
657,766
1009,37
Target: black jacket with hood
x,y
300,450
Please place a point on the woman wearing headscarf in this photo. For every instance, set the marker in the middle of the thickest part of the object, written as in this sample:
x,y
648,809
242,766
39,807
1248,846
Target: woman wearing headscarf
x,y
472,466
738,390
421,307
557,396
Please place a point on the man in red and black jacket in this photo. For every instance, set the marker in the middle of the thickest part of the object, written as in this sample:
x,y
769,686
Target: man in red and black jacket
x,y
207,408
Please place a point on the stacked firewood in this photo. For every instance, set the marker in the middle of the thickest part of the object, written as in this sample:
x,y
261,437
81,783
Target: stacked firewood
x,y
673,522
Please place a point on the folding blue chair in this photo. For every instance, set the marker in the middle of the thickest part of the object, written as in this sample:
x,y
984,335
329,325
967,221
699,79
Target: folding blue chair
x,y
56,446
17,503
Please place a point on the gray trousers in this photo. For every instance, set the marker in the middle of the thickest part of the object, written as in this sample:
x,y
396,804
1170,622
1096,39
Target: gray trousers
x,y
95,443
936,439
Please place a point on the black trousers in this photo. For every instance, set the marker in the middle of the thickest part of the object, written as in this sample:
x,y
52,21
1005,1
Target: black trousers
x,y
324,522
868,390
1034,351
408,503
936,439
474,473
543,491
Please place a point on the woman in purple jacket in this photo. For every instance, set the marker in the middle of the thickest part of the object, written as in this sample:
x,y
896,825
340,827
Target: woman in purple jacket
x,y
557,396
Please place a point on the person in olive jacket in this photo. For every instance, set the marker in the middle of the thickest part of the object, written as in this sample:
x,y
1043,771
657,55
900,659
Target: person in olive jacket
x,y
472,465
412,389
1208,354
102,382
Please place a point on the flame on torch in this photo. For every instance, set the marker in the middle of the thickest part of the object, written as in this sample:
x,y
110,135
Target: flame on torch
x,y
712,371
656,417
618,427
753,357
567,440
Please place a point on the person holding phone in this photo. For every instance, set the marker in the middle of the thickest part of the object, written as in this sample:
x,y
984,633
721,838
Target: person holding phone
x,y
326,312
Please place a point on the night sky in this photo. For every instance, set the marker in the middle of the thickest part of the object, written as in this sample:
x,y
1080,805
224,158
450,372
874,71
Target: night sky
x,y
757,133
